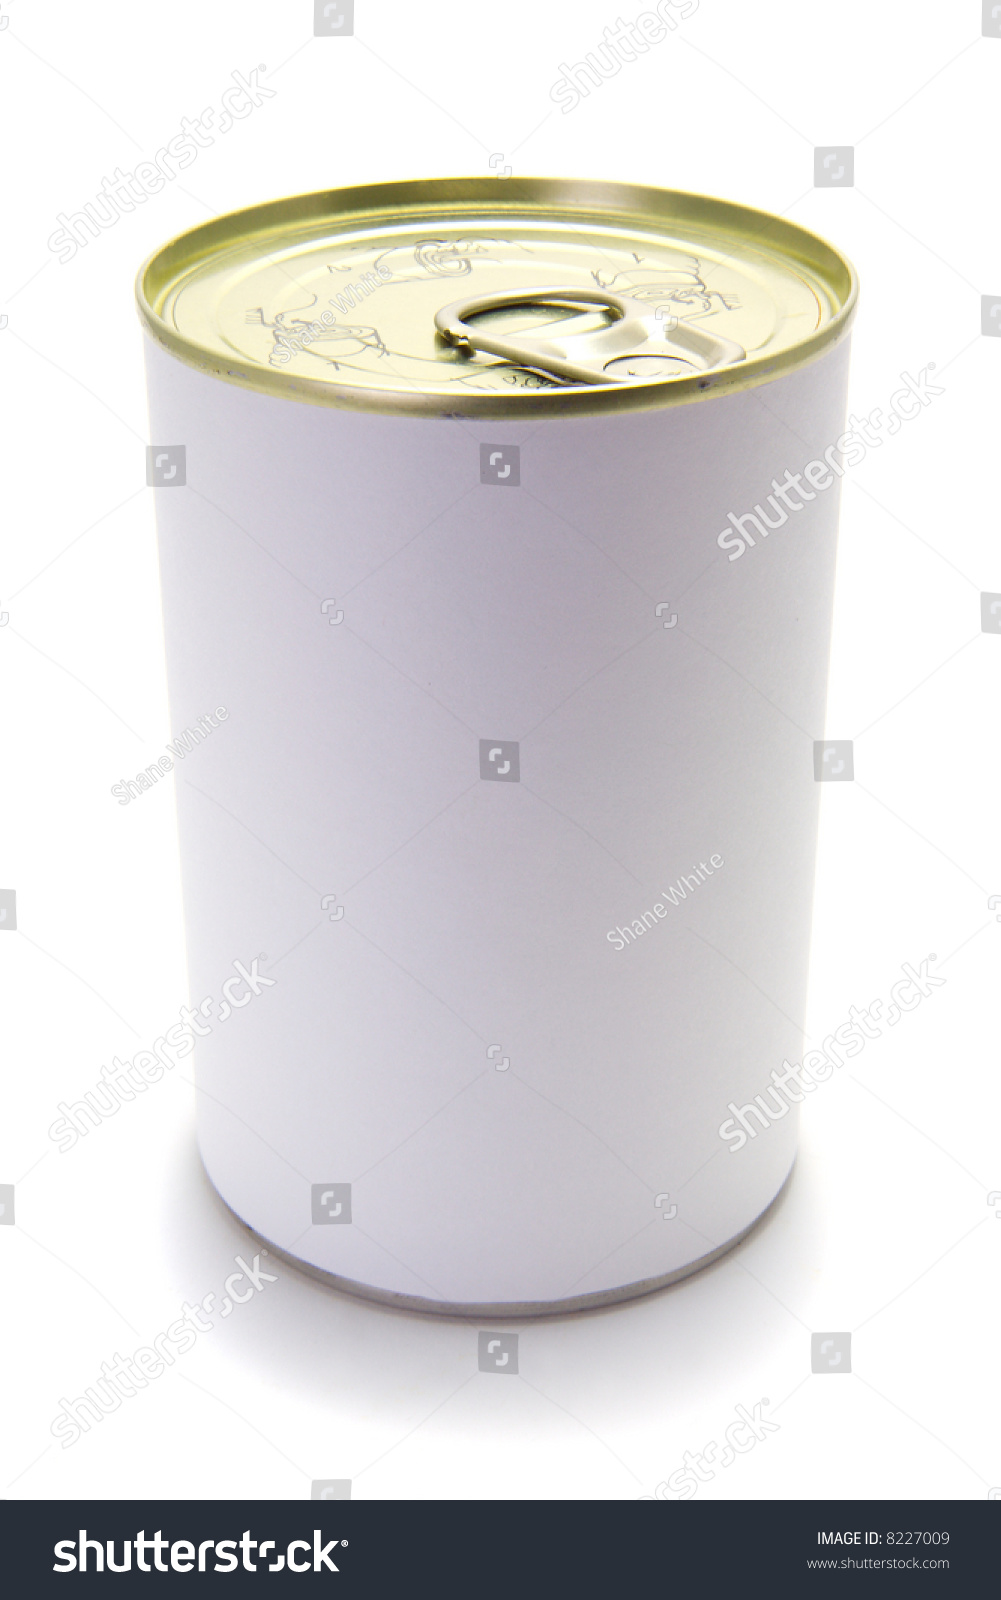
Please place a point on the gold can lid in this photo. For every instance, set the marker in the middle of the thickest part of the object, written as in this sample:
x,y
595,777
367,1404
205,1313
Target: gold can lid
x,y
497,297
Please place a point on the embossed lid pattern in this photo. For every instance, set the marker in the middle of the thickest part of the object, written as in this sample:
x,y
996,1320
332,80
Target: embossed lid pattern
x,y
332,298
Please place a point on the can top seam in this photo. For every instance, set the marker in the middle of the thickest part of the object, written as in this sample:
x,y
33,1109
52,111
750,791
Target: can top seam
x,y
682,218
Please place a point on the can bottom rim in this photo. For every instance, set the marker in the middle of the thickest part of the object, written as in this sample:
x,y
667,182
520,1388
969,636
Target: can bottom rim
x,y
497,1310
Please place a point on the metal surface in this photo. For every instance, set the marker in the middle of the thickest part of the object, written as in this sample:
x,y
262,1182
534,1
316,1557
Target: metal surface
x,y
331,298
637,343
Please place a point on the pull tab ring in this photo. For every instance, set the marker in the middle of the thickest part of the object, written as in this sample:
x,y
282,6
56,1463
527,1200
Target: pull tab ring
x,y
634,346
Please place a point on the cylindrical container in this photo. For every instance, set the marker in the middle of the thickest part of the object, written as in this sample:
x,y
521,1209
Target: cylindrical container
x,y
497,528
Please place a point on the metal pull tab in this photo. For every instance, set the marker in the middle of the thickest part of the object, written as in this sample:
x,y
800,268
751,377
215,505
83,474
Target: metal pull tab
x,y
637,345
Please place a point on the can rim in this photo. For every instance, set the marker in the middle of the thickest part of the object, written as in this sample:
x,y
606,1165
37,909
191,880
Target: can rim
x,y
573,199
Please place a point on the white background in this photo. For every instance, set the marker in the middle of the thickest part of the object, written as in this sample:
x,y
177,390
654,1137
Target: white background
x,y
886,1230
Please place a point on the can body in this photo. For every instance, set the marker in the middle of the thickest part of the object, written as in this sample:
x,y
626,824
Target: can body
x,y
514,805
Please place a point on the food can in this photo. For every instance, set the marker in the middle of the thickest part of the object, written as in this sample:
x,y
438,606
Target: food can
x,y
497,525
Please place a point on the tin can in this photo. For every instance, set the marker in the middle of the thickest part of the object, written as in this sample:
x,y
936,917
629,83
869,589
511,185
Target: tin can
x,y
497,528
